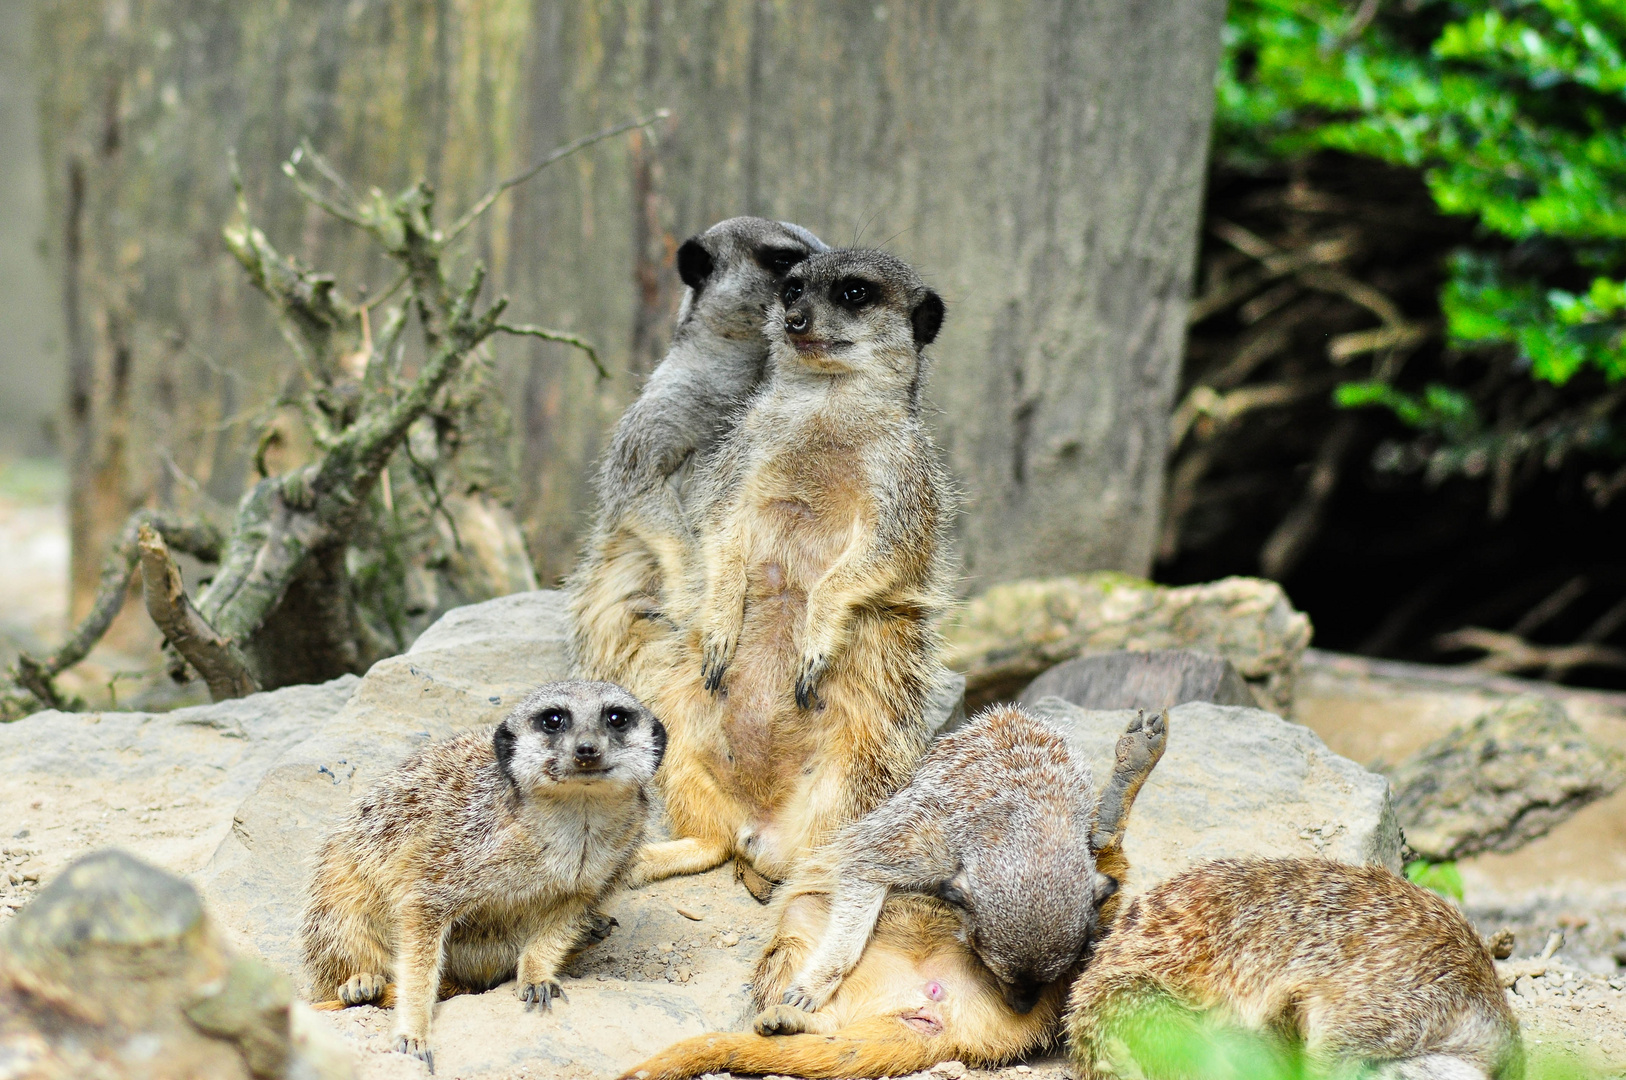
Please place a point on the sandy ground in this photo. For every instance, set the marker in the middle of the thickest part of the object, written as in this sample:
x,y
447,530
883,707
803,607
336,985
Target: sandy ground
x,y
1572,883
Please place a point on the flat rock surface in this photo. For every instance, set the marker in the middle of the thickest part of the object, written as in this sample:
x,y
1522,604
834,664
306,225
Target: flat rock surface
x,y
1238,781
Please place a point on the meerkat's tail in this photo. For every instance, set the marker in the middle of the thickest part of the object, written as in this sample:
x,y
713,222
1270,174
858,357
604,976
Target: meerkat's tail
x,y
876,1046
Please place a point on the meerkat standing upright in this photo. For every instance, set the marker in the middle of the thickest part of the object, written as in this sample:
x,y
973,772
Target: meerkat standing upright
x,y
995,868
483,856
641,539
1362,968
797,695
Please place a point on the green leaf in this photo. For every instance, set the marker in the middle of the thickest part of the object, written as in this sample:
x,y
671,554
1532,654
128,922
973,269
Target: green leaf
x,y
1441,877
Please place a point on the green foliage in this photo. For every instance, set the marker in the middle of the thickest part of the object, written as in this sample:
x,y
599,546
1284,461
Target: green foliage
x,y
1441,877
1515,110
1161,1041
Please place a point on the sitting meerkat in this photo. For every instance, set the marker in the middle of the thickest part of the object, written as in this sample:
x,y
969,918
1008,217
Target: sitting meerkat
x,y
1007,869
483,856
797,695
641,540
1363,969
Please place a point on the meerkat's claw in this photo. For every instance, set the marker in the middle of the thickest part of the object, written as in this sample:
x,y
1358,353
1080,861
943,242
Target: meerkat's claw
x,y
599,926
807,680
541,994
711,671
781,1020
801,998
362,989
417,1047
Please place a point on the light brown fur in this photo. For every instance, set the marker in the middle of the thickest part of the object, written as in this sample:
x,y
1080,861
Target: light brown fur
x,y
483,857
642,545
797,696
919,994
1351,962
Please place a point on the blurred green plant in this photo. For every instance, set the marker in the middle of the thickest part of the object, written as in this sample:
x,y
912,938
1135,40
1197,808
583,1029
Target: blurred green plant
x,y
1163,1041
1515,111
1440,877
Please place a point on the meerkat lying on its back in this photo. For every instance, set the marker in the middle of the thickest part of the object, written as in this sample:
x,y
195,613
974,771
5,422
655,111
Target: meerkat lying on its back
x,y
797,696
1366,970
641,539
996,821
482,856
1002,824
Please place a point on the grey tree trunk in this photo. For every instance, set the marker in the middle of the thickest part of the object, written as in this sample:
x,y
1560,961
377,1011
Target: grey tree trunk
x,y
1041,162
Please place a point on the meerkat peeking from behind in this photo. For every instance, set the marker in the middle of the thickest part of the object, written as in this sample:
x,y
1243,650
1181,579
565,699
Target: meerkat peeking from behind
x,y
641,540
482,857
1369,974
944,924
797,693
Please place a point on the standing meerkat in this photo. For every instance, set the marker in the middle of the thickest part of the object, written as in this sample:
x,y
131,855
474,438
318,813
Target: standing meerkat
x,y
641,540
1006,869
1360,967
482,857
797,695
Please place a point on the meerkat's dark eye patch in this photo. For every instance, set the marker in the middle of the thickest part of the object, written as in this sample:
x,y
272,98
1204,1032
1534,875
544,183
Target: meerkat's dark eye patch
x,y
779,260
791,293
617,718
854,293
552,720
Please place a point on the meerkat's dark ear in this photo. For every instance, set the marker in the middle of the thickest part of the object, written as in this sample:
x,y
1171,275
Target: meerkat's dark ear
x,y
657,731
954,890
694,263
927,318
1105,887
503,743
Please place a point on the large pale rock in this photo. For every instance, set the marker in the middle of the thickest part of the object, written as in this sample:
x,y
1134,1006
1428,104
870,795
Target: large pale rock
x,y
1011,633
116,972
161,785
1501,781
1238,781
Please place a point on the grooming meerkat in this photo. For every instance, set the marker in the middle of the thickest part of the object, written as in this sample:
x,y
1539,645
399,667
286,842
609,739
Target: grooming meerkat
x,y
1365,970
483,856
925,987
797,696
641,539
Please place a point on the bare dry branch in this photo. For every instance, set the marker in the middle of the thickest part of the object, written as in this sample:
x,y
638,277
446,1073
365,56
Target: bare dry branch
x,y
212,656
526,330
1345,347
1511,653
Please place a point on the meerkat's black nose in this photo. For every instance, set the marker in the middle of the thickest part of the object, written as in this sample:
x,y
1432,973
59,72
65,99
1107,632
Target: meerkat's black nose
x,y
587,754
796,321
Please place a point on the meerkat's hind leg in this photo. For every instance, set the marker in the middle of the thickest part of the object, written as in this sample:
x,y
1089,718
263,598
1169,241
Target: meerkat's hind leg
x,y
1139,749
761,888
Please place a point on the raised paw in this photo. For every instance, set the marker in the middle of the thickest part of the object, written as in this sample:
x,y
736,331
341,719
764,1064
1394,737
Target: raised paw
x,y
807,679
418,1047
1140,747
541,994
598,926
781,1020
362,989
760,888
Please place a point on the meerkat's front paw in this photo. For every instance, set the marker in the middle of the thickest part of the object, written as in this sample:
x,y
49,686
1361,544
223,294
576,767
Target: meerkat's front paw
x,y
596,927
802,998
541,994
781,1020
716,652
362,989
812,670
417,1046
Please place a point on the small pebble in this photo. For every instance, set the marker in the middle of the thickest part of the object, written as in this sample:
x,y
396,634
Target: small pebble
x,y
1023,1069
690,915
952,1070
730,940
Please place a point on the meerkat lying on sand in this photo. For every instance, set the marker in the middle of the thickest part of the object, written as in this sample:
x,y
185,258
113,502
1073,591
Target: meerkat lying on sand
x,y
641,540
1364,970
797,698
482,857
995,869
